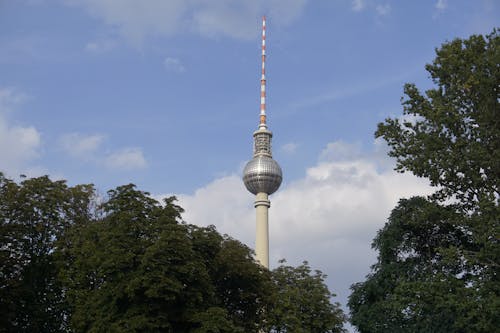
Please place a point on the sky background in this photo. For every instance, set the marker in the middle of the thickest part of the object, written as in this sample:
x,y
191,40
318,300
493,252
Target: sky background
x,y
165,95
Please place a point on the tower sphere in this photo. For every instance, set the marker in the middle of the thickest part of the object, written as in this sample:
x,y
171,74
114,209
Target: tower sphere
x,y
262,175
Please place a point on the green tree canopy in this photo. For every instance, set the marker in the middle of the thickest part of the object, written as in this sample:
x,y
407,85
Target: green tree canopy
x,y
415,286
303,302
438,263
73,262
451,135
140,269
34,217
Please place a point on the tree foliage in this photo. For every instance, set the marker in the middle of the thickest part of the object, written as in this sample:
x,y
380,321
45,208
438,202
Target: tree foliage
x,y
71,262
303,302
140,269
416,286
451,135
34,216
437,269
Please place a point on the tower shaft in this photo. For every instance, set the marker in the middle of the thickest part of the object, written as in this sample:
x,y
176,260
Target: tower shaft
x,y
262,205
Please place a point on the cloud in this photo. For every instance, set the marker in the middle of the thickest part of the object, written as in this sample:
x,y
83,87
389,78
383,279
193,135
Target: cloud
x,y
340,151
173,65
19,145
290,148
225,203
81,146
237,19
126,159
89,148
10,98
383,10
380,9
358,5
441,4
328,217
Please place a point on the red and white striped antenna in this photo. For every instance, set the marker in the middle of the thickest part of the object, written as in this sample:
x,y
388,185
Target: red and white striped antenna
x,y
263,77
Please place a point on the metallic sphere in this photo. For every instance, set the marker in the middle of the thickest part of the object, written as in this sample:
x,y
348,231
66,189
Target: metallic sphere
x,y
262,174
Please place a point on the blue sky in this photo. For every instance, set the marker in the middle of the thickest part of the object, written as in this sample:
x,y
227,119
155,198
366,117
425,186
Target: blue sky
x,y
165,94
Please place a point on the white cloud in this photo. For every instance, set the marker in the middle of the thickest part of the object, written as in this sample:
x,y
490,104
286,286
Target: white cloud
x,y
126,159
225,203
81,146
89,148
380,9
383,10
9,98
137,19
358,5
290,148
340,151
329,217
173,65
441,4
19,145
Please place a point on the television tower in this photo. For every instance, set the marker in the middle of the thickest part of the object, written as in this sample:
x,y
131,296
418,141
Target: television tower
x,y
262,175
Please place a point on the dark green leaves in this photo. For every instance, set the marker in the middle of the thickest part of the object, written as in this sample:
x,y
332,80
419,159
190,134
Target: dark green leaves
x,y
70,263
451,135
34,218
139,269
438,263
420,282
303,302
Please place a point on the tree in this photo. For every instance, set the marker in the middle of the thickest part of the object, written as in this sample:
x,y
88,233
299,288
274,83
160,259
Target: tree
x,y
303,302
243,287
141,269
437,268
130,264
413,286
34,216
452,134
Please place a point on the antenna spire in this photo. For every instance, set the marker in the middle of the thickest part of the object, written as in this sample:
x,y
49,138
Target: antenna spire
x,y
263,78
